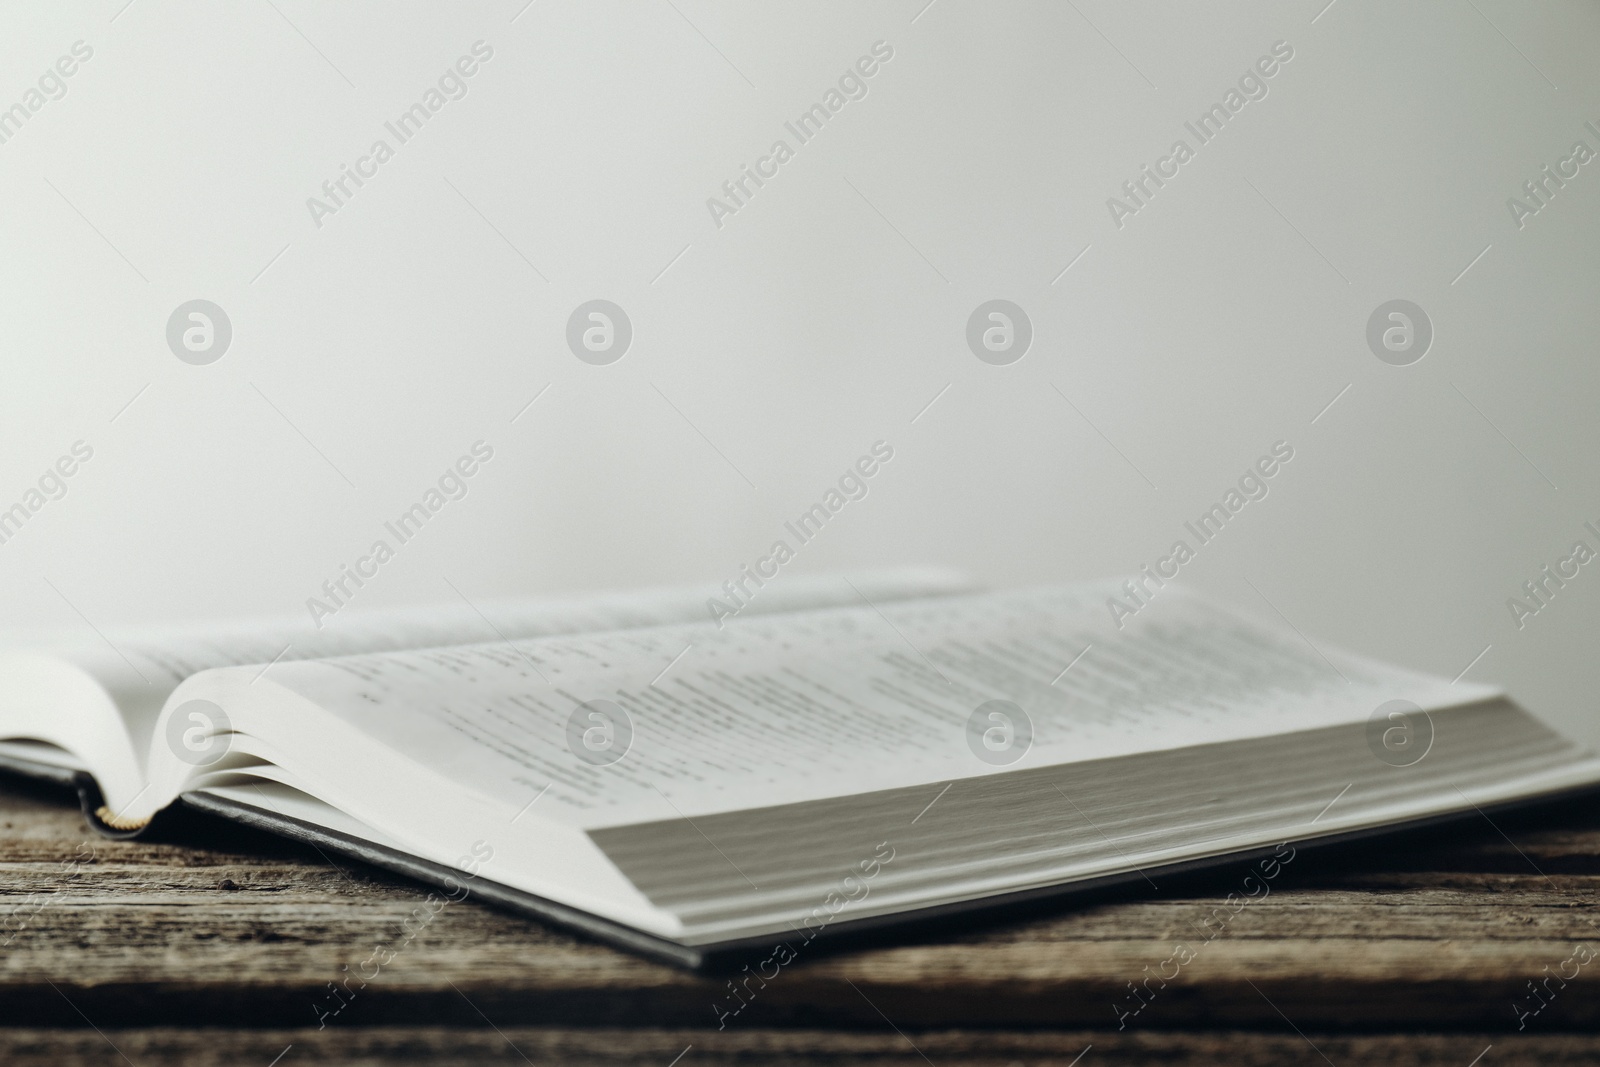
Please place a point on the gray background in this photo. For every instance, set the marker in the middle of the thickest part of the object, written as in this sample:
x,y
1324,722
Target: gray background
x,y
767,355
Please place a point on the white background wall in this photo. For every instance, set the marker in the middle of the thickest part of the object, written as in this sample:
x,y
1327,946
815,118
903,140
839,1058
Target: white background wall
x,y
822,317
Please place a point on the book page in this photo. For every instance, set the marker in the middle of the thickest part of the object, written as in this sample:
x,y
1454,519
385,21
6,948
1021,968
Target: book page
x,y
683,720
140,668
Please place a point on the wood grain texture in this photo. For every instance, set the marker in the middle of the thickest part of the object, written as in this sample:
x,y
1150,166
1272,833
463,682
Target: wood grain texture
x,y
557,1047
1403,950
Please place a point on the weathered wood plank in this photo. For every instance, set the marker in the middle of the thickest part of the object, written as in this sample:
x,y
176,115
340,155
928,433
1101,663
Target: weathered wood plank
x,y
231,928
561,1047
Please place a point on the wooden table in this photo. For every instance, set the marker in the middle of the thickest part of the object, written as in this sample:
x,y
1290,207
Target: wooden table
x,y
217,945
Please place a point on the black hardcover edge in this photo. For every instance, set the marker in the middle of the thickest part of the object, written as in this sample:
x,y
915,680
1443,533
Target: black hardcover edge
x,y
725,954
88,790
449,879
48,772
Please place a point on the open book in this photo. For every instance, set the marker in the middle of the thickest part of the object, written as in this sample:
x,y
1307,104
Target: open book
x,y
844,753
